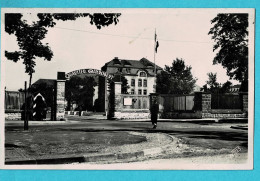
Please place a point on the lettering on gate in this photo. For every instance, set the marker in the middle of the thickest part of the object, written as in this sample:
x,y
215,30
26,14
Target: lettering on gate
x,y
89,71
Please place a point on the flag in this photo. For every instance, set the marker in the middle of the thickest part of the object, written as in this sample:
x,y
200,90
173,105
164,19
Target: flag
x,y
156,42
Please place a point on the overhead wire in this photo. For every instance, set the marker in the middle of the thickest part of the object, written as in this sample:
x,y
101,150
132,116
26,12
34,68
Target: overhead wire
x,y
127,36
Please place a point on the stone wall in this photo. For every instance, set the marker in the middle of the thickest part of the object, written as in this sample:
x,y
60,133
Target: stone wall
x,y
207,112
133,115
126,113
245,103
202,109
13,116
180,115
205,105
60,100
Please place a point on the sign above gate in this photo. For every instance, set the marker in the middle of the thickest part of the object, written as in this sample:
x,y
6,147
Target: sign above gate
x,y
89,71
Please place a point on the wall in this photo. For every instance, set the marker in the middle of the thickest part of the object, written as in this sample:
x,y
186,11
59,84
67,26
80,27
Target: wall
x,y
12,116
201,108
122,111
142,114
207,112
60,100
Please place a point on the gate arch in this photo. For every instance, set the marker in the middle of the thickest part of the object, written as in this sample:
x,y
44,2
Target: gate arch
x,y
60,88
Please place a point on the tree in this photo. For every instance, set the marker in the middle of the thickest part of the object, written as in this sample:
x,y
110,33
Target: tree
x,y
29,37
80,91
212,82
214,86
230,33
226,87
175,79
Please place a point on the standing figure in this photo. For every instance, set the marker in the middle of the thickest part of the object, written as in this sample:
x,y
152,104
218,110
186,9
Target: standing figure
x,y
154,109
154,115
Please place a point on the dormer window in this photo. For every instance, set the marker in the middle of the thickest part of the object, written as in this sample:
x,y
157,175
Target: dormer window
x,y
142,74
149,65
119,70
128,70
116,61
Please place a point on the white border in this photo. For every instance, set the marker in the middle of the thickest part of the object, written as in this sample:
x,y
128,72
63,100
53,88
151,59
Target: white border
x,y
246,166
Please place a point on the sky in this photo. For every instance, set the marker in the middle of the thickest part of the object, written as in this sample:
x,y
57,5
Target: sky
x,y
182,33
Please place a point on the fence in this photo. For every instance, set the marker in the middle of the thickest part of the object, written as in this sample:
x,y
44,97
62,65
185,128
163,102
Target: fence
x,y
170,103
14,100
192,106
226,101
135,102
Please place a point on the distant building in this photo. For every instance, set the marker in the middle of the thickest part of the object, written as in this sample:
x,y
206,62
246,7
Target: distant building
x,y
47,82
235,88
140,74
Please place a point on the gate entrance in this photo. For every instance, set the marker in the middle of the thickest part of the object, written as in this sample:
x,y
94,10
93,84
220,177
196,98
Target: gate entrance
x,y
60,88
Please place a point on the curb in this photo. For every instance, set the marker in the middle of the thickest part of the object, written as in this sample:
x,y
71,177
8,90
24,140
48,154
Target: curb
x,y
92,158
83,158
205,120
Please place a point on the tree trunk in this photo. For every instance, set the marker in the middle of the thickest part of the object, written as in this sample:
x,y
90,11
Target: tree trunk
x,y
30,81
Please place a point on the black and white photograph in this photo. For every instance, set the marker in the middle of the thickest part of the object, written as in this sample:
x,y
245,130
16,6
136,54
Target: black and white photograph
x,y
127,89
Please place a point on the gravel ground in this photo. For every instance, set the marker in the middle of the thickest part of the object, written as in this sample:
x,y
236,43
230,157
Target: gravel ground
x,y
153,140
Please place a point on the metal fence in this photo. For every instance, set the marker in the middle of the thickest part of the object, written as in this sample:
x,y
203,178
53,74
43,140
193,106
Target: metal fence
x,y
14,100
176,102
226,101
132,101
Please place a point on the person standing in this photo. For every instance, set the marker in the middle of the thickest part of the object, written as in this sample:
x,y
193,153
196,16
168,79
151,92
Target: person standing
x,y
154,115
154,110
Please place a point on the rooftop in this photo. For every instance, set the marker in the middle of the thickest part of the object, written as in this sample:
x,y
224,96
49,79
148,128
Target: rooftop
x,y
139,64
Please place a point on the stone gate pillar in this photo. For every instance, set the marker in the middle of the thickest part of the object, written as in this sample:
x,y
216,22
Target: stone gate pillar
x,y
206,105
60,96
118,100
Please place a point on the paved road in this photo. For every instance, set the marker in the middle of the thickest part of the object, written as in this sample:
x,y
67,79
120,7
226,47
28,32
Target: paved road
x,y
195,138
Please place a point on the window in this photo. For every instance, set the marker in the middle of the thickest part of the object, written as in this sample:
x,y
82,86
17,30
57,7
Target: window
x,y
128,70
145,83
132,91
145,92
142,74
139,82
119,70
140,91
133,82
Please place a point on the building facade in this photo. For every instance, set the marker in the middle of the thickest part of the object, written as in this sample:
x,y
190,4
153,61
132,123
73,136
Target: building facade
x,y
140,74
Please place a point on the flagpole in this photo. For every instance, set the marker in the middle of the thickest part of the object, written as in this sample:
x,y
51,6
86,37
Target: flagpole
x,y
155,39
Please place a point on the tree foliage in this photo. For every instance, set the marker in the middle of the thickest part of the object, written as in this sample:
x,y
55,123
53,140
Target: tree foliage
x,y
230,33
30,36
80,91
175,79
212,82
213,86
